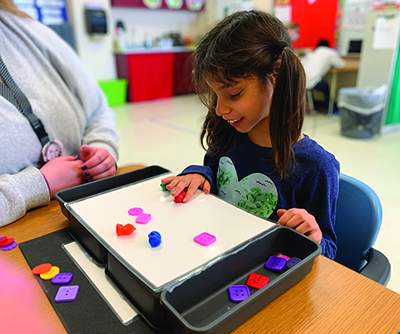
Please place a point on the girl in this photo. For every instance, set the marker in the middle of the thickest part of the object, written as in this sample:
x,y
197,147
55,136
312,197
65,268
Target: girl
x,y
253,85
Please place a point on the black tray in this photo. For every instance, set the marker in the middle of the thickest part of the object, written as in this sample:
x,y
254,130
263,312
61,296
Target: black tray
x,y
201,304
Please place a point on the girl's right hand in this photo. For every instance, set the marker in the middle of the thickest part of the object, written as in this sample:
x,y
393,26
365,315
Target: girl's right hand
x,y
190,181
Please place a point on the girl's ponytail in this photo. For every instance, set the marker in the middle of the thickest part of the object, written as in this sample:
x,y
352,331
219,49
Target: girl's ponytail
x,y
287,108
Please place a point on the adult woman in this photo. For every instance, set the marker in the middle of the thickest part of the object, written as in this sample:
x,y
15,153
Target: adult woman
x,y
51,112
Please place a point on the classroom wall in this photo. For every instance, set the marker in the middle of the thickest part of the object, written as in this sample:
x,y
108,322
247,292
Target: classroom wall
x,y
97,54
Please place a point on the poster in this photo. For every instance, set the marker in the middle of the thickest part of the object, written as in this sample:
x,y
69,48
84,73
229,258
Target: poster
x,y
386,32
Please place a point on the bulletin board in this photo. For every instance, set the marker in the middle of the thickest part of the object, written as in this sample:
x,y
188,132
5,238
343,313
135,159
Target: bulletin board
x,y
49,12
317,19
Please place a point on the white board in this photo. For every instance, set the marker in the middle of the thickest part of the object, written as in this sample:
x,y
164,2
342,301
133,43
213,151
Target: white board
x,y
178,256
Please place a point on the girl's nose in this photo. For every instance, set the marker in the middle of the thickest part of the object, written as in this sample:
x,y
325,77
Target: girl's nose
x,y
221,108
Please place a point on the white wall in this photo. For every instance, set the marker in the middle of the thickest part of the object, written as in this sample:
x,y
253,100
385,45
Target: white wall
x,y
98,55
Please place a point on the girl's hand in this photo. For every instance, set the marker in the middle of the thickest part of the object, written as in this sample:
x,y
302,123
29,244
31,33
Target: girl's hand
x,y
190,181
62,173
98,163
301,221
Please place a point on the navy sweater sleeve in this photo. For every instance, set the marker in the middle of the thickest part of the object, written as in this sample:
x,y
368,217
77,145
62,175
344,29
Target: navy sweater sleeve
x,y
207,170
319,198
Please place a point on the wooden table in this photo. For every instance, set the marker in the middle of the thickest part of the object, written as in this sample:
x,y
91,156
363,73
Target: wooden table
x,y
331,299
352,65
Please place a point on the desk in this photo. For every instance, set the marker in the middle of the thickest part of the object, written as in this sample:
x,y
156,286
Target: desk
x,y
352,65
331,299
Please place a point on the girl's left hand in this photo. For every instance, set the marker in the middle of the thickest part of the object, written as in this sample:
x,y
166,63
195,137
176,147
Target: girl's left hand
x,y
301,221
98,163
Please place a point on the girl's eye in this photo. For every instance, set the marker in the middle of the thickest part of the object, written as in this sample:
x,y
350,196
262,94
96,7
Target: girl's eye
x,y
234,96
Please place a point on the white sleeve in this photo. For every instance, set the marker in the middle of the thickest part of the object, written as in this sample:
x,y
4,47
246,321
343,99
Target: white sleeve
x,y
336,60
20,192
100,118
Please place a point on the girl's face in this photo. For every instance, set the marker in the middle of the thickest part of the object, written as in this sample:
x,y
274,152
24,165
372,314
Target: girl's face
x,y
245,105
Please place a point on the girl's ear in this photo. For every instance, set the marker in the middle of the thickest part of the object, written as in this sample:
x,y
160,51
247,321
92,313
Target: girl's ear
x,y
277,66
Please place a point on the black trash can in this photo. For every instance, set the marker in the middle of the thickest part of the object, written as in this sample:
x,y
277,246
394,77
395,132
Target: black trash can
x,y
361,110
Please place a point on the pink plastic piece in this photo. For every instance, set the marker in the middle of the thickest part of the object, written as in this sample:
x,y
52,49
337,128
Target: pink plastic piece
x,y
205,239
143,218
135,211
287,258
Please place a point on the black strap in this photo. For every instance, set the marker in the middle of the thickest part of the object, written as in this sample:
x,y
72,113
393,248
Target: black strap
x,y
11,92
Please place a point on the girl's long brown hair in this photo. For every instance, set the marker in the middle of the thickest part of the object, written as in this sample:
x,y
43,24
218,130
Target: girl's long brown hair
x,y
246,44
9,6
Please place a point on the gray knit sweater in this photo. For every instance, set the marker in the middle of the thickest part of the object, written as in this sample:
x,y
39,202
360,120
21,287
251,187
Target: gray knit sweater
x,y
63,95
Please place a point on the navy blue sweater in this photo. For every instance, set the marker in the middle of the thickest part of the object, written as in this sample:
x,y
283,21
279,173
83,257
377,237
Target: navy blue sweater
x,y
244,176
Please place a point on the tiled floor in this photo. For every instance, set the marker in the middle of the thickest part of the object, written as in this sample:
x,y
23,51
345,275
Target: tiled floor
x,y
166,133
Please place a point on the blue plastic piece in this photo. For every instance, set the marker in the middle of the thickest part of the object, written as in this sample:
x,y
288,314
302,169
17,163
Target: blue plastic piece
x,y
154,239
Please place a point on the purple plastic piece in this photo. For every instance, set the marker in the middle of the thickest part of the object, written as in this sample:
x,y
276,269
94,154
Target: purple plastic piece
x,y
143,218
292,262
9,247
275,263
135,211
238,293
67,293
62,278
205,239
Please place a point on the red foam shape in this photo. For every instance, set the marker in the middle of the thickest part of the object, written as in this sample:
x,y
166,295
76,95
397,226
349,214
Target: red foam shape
x,y
125,230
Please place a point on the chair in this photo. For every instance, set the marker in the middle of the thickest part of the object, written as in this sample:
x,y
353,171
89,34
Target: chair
x,y
358,221
311,102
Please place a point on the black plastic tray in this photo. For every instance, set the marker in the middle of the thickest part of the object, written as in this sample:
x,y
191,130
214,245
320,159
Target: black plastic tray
x,y
200,304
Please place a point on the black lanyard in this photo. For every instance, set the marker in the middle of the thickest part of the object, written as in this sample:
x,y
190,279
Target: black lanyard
x,y
11,92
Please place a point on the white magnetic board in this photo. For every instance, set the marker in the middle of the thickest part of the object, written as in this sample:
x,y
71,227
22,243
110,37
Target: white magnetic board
x,y
177,223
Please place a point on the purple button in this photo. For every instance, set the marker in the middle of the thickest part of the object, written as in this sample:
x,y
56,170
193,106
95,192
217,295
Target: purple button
x,y
10,246
275,263
238,293
292,262
62,278
67,293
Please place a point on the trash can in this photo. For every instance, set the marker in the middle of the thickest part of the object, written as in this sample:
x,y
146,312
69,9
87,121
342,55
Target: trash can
x,y
361,110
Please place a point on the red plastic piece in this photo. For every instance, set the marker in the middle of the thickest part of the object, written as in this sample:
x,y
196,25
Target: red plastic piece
x,y
257,281
41,268
6,242
180,196
125,230
3,239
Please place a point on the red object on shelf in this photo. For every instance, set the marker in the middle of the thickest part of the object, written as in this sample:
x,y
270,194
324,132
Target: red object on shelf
x,y
151,76
183,73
